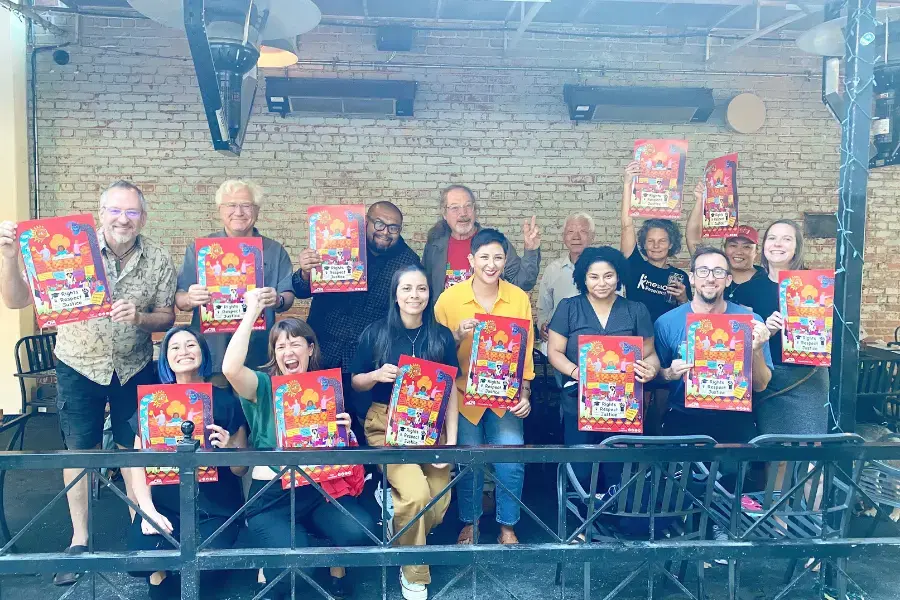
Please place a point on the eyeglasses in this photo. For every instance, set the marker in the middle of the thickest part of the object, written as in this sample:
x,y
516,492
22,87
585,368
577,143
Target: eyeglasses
x,y
232,207
718,272
115,213
458,208
380,225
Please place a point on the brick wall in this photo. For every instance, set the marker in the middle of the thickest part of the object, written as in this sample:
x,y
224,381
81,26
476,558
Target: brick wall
x,y
132,110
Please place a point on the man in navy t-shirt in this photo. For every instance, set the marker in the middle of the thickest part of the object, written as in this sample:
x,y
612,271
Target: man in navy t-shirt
x,y
710,276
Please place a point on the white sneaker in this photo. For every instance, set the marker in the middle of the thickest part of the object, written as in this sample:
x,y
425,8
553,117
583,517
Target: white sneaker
x,y
720,535
412,591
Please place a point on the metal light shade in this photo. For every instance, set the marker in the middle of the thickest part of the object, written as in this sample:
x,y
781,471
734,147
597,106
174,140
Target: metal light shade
x,y
276,53
827,39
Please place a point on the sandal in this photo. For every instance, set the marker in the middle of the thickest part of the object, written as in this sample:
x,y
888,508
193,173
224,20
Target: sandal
x,y
467,535
69,578
507,538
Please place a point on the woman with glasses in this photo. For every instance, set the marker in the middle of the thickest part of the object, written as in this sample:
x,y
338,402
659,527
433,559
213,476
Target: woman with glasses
x,y
596,310
796,400
651,281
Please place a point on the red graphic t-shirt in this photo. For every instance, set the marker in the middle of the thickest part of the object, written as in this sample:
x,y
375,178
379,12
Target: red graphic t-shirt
x,y
458,268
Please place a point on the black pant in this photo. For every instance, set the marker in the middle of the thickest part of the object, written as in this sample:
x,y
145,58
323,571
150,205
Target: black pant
x,y
609,474
269,521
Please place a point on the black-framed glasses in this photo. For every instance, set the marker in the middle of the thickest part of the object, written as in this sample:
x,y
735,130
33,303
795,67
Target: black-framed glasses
x,y
718,272
380,225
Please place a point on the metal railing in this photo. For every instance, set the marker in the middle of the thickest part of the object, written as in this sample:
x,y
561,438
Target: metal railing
x,y
192,555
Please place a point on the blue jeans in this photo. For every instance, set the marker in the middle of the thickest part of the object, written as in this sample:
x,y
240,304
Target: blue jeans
x,y
495,431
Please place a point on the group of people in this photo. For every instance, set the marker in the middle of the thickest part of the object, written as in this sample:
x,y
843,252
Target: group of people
x,y
420,307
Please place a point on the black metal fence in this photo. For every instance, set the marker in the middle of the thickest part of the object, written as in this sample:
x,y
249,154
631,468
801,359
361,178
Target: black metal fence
x,y
191,555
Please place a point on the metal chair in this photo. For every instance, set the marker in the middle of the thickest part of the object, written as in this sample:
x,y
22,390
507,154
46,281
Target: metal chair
x,y
670,498
878,391
792,507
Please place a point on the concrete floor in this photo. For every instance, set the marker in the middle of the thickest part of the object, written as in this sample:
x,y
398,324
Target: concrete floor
x,y
27,492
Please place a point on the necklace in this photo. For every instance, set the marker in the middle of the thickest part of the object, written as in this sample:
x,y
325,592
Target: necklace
x,y
413,341
123,256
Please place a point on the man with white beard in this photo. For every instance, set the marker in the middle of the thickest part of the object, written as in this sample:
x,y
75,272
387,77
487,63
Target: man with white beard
x,y
104,359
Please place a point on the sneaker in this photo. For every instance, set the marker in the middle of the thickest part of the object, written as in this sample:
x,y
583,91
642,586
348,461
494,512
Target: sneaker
x,y
719,535
338,587
412,591
386,512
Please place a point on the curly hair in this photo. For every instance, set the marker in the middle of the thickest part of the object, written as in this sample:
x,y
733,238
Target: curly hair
x,y
606,254
666,225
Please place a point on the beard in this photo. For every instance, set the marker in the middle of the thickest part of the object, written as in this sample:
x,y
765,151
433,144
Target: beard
x,y
122,238
710,297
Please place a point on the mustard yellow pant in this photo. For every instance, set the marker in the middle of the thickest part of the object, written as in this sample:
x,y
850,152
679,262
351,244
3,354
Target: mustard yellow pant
x,y
412,487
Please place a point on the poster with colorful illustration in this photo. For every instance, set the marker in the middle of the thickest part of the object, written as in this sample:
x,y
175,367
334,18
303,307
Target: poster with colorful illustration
x,y
306,409
657,189
64,269
610,398
721,349
497,361
720,201
162,409
229,268
807,306
418,402
338,234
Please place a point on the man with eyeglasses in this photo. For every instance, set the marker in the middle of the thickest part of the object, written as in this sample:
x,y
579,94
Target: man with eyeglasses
x,y
446,255
103,360
710,275
339,318
238,203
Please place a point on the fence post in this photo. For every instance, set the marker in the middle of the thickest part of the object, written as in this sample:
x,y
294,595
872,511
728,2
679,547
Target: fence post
x,y
190,575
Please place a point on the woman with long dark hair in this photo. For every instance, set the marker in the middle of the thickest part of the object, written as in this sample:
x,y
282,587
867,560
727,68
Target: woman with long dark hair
x,y
292,349
185,358
409,329
795,400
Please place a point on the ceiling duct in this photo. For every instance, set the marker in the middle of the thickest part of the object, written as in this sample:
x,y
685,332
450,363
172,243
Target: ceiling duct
x,y
638,104
287,95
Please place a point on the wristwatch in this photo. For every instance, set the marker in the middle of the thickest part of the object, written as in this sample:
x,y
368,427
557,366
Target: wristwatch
x,y
280,304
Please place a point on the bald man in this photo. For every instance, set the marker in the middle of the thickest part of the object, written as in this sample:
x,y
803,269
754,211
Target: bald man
x,y
339,318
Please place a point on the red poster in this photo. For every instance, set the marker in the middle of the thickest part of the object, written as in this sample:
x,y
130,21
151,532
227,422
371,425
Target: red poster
x,y
306,409
807,305
64,269
497,361
720,202
418,402
338,234
721,349
161,411
656,191
610,398
228,267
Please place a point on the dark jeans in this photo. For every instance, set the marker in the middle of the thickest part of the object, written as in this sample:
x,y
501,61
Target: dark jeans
x,y
81,405
269,521
609,474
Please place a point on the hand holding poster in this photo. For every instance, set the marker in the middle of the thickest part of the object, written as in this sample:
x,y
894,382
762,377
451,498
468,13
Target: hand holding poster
x,y
418,402
720,348
162,409
228,268
656,191
64,269
720,202
497,361
609,396
338,235
306,409
807,307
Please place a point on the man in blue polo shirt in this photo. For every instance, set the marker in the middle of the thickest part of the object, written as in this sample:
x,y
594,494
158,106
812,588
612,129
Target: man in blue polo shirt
x,y
710,275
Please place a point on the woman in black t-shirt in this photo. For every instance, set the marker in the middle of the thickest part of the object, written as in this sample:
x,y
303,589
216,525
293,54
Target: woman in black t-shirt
x,y
409,329
185,358
651,281
596,310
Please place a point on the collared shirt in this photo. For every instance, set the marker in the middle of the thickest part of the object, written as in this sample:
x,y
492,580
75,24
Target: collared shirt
x,y
458,303
98,348
277,270
556,284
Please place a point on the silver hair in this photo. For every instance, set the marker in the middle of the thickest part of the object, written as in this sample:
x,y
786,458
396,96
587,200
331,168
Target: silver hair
x,y
580,216
230,186
122,184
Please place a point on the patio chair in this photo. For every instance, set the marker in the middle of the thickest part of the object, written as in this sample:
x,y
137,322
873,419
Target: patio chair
x,y
654,500
790,509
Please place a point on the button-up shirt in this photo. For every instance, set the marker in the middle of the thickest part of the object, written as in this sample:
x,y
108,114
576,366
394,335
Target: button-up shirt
x,y
556,284
458,303
98,348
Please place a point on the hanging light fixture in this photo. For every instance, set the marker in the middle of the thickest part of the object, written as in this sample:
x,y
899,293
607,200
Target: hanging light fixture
x,y
276,53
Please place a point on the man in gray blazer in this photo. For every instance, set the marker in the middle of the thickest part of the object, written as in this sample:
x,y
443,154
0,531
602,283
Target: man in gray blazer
x,y
447,248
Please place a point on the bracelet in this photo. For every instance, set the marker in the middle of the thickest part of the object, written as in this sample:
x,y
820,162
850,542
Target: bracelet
x,y
572,374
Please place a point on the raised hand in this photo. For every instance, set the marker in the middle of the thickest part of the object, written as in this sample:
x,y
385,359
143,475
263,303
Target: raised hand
x,y
532,234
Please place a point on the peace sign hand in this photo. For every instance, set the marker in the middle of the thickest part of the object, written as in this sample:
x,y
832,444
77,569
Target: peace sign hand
x,y
532,234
